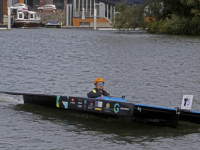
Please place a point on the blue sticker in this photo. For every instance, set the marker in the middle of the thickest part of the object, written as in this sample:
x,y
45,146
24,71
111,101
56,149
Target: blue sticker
x,y
65,104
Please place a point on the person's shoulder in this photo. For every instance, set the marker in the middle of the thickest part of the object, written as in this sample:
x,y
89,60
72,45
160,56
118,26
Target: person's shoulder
x,y
105,91
94,90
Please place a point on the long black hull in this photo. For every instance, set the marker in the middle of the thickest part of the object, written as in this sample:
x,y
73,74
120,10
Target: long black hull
x,y
138,113
135,112
190,116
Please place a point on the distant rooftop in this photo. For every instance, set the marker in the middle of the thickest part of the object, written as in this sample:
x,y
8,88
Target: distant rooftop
x,y
113,2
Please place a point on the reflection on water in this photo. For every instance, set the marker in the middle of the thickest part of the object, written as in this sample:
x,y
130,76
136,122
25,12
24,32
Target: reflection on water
x,y
86,128
84,122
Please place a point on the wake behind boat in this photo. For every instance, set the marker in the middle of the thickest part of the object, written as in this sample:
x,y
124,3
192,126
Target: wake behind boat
x,y
116,107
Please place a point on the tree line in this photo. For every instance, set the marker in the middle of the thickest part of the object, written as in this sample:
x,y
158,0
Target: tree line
x,y
178,17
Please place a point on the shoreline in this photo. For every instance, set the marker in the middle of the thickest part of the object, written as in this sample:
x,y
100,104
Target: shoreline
x,y
4,27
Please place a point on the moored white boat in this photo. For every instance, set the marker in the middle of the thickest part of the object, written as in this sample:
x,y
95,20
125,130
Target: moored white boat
x,y
26,19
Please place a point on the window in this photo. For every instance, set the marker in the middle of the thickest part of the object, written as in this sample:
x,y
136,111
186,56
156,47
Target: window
x,y
16,5
88,5
59,3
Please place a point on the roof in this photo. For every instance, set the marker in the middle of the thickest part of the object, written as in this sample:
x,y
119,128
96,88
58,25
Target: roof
x,y
114,2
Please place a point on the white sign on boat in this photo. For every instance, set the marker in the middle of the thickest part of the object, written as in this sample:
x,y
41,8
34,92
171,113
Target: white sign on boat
x,y
187,102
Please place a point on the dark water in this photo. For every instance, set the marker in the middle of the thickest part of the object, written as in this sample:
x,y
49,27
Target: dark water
x,y
148,69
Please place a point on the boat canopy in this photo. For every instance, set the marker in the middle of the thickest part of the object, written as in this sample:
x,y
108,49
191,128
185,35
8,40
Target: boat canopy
x,y
29,15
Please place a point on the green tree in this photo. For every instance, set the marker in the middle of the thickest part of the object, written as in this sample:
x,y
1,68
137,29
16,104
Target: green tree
x,y
180,17
194,6
176,17
126,17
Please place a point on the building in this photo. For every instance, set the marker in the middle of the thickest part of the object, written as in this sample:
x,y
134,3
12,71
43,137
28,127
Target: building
x,y
75,9
3,10
105,11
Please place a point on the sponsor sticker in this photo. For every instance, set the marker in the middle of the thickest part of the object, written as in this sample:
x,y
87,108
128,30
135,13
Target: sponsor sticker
x,y
72,99
98,103
107,106
116,108
80,100
107,111
85,104
122,108
90,105
80,103
98,109
72,102
65,104
187,102
79,106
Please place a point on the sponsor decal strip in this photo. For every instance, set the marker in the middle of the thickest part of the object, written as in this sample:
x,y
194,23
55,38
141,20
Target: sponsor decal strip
x,y
122,108
98,108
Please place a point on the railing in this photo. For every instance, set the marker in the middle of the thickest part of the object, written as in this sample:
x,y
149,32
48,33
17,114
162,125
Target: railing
x,y
87,14
109,20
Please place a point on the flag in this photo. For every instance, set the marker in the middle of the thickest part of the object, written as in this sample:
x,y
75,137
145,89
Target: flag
x,y
25,10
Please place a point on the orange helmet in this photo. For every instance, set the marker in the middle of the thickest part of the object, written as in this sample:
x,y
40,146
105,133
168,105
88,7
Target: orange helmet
x,y
98,80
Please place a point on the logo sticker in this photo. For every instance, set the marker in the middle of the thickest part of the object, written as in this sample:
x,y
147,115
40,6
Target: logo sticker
x,y
108,106
90,105
116,108
85,103
65,104
72,99
57,101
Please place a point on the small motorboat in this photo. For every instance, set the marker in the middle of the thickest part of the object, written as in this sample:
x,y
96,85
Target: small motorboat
x,y
53,24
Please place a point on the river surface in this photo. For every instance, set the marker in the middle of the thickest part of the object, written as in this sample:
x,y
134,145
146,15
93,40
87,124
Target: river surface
x,y
148,69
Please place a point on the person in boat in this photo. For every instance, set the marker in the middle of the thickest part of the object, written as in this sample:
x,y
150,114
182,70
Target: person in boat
x,y
98,90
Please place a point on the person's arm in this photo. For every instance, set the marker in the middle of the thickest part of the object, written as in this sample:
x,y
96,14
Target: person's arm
x,y
93,95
